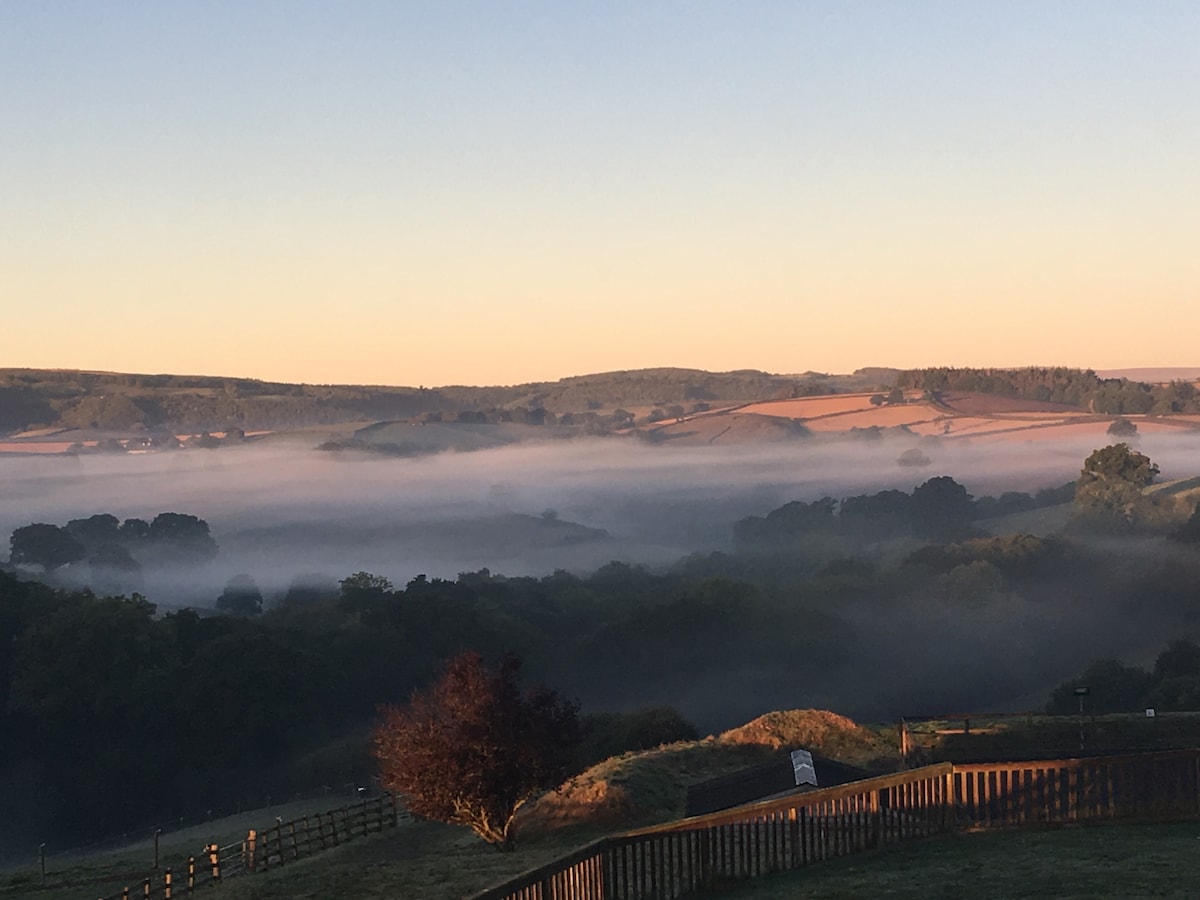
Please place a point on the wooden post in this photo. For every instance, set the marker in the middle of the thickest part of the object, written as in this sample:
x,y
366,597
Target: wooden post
x,y
248,849
146,889
295,846
214,860
191,874
167,884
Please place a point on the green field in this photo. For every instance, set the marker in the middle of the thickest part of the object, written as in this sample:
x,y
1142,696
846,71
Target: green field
x,y
435,862
1116,860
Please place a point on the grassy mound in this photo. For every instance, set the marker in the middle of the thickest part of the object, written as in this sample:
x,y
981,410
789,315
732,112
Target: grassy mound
x,y
650,786
817,730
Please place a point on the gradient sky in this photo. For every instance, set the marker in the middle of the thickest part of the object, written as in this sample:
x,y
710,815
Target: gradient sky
x,y
482,192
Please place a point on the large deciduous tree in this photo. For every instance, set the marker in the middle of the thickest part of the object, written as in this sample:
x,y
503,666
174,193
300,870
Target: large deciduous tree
x,y
1109,489
474,747
44,545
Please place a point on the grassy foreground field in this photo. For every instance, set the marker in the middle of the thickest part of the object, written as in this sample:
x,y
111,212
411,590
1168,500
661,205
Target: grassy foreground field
x,y
1114,860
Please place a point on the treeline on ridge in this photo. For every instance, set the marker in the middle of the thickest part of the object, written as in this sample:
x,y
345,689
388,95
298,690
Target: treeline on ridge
x,y
1075,387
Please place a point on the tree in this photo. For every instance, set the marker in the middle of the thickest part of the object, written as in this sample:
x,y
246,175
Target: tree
x,y
1189,532
1122,427
474,747
942,508
44,545
363,590
1113,687
181,538
241,597
95,531
1109,488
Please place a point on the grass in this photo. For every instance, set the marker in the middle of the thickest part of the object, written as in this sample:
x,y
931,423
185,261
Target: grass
x,y
1113,860
425,860
95,874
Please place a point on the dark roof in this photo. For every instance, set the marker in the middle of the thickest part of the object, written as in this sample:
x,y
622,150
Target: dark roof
x,y
767,780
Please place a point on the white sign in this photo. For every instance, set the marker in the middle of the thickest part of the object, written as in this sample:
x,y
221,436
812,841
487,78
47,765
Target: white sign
x,y
802,765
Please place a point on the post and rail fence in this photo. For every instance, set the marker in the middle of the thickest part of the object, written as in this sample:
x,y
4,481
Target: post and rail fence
x,y
691,856
267,848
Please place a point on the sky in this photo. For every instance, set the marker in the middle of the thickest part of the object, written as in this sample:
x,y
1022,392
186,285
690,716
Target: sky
x,y
494,193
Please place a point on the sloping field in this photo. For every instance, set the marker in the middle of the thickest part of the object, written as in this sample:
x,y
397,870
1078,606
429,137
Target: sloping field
x,y
811,407
991,404
738,427
883,417
945,424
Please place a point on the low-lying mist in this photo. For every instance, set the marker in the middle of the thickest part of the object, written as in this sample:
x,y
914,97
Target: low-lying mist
x,y
278,509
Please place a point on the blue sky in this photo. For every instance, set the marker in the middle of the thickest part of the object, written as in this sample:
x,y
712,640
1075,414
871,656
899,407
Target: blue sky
x,y
480,192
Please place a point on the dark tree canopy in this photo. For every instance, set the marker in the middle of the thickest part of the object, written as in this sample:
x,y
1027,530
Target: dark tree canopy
x,y
44,545
182,538
941,507
241,597
474,747
1122,427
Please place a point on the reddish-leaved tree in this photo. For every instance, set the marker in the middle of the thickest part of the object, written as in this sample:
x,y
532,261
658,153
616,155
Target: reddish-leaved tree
x,y
474,747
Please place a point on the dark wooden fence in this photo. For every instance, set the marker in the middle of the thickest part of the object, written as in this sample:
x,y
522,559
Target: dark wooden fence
x,y
693,855
1148,786
268,848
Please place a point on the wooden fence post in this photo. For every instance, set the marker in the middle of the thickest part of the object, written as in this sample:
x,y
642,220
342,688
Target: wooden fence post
x,y
191,882
214,860
248,849
167,884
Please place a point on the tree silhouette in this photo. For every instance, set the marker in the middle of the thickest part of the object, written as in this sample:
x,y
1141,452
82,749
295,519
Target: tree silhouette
x,y
241,597
44,545
474,747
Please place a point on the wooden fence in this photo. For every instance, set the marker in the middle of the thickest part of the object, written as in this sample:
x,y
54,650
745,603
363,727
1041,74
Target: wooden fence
x,y
693,855
268,848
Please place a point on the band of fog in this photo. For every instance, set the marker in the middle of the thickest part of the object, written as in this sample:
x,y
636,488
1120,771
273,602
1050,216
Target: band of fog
x,y
304,510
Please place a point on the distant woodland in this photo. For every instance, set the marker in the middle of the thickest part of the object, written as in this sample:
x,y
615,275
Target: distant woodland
x,y
1074,387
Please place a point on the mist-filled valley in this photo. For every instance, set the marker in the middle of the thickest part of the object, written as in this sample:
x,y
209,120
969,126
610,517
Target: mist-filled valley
x,y
722,581
281,509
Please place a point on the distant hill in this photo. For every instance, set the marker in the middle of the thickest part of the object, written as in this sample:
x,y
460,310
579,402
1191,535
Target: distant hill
x,y
1154,374
110,402
87,409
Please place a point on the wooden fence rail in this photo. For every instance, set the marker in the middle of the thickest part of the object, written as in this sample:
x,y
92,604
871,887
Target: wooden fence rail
x,y
268,848
694,855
